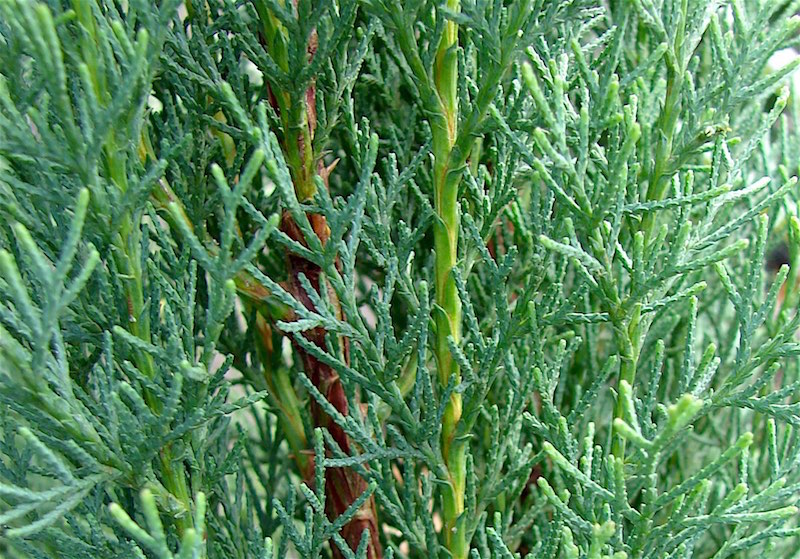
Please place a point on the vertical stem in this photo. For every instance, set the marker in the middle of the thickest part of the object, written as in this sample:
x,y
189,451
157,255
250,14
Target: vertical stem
x,y
448,312
628,339
298,119
128,258
665,131
284,398
631,331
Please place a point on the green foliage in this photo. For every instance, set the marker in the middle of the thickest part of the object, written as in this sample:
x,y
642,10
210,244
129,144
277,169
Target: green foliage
x,y
366,279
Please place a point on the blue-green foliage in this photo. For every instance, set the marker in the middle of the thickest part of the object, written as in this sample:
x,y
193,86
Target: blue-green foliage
x,y
630,373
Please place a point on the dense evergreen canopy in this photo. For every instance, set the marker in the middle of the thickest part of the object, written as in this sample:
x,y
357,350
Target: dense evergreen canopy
x,y
371,278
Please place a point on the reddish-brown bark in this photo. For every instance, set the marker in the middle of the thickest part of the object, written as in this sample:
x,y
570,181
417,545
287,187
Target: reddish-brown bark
x,y
342,485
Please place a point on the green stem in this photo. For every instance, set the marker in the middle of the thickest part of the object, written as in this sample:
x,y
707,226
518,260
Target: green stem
x,y
284,398
448,312
665,131
629,336
632,330
128,257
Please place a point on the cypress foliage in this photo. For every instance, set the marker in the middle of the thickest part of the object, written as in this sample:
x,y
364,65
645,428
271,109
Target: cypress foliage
x,y
366,279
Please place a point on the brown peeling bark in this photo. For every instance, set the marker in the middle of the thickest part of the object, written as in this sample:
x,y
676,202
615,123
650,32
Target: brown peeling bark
x,y
342,485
